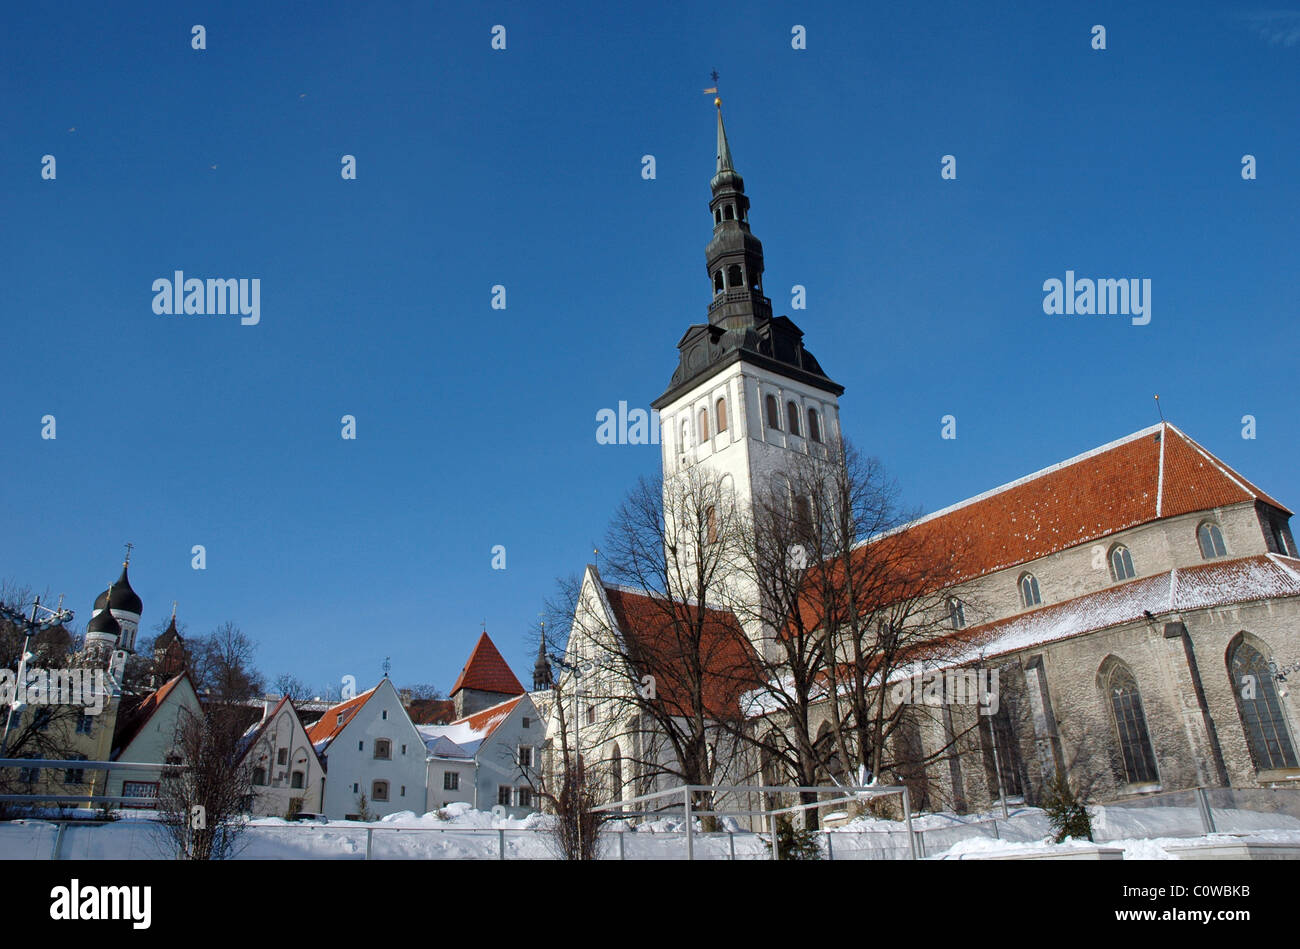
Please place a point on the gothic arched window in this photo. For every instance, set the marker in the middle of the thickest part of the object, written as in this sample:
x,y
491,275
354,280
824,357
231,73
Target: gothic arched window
x,y
1210,538
1121,563
814,426
792,416
1130,722
803,515
1260,707
773,413
957,613
722,415
1029,590
704,426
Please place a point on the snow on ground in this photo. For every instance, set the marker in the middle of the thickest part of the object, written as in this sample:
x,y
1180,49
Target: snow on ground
x,y
460,832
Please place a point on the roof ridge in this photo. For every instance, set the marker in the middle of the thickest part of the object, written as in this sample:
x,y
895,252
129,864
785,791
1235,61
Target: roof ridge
x,y
1223,466
1034,476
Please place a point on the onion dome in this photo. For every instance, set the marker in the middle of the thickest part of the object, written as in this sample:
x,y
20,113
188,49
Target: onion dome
x,y
104,623
120,596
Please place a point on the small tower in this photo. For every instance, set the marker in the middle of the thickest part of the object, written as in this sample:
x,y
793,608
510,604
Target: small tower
x,y
169,657
542,668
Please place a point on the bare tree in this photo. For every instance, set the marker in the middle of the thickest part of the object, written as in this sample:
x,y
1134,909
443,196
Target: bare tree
x,y
672,661
202,803
223,665
290,685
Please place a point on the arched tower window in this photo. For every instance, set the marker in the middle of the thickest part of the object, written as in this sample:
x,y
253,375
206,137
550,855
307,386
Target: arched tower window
x,y
1121,563
717,282
1029,590
721,408
704,426
773,413
1130,722
1210,538
717,216
734,277
1260,707
792,417
728,213
814,426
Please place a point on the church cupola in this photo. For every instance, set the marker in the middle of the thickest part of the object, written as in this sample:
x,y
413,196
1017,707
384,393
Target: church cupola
x,y
125,606
103,630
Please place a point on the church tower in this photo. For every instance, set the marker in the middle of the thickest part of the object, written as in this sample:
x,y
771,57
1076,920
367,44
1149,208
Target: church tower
x,y
747,398
115,617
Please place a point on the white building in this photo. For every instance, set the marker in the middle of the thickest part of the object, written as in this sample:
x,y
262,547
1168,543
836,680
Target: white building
x,y
370,748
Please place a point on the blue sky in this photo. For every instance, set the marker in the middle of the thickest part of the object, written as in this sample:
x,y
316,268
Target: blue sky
x,y
521,167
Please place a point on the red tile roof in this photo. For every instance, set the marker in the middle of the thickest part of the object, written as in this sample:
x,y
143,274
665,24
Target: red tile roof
x,y
489,719
663,646
431,711
335,720
1154,473
130,724
486,671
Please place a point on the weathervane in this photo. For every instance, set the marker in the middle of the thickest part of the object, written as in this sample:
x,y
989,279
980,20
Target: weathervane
x,y
387,666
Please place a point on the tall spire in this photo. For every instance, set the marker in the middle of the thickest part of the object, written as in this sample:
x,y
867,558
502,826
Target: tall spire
x,y
724,149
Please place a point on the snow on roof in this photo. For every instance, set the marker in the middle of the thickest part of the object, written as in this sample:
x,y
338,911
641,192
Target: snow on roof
x,y
1204,586
468,733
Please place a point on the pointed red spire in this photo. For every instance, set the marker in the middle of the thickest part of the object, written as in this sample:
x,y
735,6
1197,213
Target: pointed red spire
x,y
486,671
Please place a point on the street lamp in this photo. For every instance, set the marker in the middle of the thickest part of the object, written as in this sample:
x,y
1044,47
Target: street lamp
x,y
42,618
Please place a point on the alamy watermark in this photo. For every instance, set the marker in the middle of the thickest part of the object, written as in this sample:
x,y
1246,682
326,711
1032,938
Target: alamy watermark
x,y
951,687
213,297
1104,297
85,687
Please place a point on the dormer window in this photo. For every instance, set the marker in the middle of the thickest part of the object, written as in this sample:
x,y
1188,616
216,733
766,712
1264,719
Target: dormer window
x,y
1029,595
1121,563
1210,538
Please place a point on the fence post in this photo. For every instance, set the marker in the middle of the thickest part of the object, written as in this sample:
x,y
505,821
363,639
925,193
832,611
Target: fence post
x,y
690,837
370,839
731,844
907,815
996,835
501,843
622,854
830,845
1203,805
